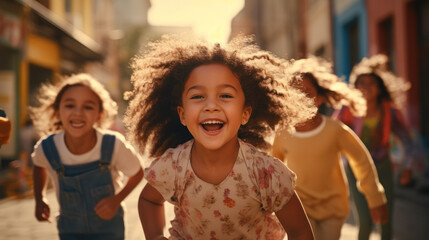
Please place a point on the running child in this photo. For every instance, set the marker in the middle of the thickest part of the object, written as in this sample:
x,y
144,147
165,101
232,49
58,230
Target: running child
x,y
313,153
85,161
202,111
385,96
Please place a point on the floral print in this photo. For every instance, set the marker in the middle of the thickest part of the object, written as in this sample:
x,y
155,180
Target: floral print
x,y
265,176
240,207
227,201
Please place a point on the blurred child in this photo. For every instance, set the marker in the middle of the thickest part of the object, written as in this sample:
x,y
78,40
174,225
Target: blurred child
x,y
313,153
385,94
202,110
84,161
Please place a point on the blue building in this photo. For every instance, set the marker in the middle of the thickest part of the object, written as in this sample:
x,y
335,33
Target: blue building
x,y
350,34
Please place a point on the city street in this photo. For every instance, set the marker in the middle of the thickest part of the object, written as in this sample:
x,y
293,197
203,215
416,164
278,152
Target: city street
x,y
123,66
18,222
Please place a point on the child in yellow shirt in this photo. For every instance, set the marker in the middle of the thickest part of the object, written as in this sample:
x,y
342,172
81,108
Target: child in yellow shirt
x,y
313,153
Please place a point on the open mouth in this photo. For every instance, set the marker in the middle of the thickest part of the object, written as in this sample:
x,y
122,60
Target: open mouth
x,y
77,124
212,125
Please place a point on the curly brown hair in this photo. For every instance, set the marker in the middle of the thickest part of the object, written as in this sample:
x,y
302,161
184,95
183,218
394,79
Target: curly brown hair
x,y
43,115
392,88
159,76
335,92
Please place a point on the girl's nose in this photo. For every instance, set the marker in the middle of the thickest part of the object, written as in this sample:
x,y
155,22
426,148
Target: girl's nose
x,y
78,110
211,105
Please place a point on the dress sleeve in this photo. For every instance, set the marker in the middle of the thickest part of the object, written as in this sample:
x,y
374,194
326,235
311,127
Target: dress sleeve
x,y
362,166
161,175
275,181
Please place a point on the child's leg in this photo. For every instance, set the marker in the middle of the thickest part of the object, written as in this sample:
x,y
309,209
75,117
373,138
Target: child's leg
x,y
315,226
327,229
385,175
360,206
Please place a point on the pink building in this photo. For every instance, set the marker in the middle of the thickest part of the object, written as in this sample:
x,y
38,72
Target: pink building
x,y
393,30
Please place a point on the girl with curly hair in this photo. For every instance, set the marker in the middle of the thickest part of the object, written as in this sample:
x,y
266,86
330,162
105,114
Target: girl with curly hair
x,y
321,184
385,96
85,161
203,112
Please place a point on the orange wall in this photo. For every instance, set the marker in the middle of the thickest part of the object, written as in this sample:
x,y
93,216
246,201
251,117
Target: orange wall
x,y
40,51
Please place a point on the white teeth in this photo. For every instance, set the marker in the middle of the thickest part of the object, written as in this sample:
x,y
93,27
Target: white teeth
x,y
212,122
77,124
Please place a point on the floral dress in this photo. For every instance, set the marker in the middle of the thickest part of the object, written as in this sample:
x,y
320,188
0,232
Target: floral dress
x,y
240,207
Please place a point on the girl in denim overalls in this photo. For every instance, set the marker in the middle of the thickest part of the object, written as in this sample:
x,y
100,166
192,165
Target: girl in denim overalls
x,y
84,161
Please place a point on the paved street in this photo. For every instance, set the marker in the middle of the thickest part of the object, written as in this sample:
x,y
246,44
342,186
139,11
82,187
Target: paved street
x,y
18,222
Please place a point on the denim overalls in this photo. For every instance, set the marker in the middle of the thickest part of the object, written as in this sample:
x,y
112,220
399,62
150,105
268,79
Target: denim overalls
x,y
81,187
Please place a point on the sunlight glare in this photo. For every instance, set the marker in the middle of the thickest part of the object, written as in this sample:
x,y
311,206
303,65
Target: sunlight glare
x,y
209,18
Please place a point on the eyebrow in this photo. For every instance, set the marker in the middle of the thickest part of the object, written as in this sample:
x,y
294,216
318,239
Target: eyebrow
x,y
221,86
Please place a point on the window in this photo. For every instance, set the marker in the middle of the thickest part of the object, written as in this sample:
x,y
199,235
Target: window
x,y
386,41
353,40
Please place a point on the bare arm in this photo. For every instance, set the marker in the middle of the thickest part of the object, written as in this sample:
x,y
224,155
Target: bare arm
x,y
40,180
294,220
107,207
132,182
152,213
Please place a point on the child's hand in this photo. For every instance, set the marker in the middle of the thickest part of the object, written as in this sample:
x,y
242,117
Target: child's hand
x,y
380,214
406,177
43,211
5,130
107,207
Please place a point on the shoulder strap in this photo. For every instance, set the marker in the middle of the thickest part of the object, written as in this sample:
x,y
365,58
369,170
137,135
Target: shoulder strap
x,y
107,146
51,153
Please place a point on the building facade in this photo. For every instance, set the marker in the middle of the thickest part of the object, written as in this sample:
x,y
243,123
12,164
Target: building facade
x,y
393,30
42,40
350,34
345,31
274,25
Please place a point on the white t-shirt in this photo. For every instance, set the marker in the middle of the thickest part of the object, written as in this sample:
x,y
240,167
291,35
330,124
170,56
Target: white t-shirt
x,y
125,160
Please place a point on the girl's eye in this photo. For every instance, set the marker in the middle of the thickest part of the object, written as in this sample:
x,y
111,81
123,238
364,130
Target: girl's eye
x,y
226,96
69,106
89,107
196,97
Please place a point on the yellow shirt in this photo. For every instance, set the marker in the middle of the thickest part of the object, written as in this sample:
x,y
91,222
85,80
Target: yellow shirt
x,y
315,157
